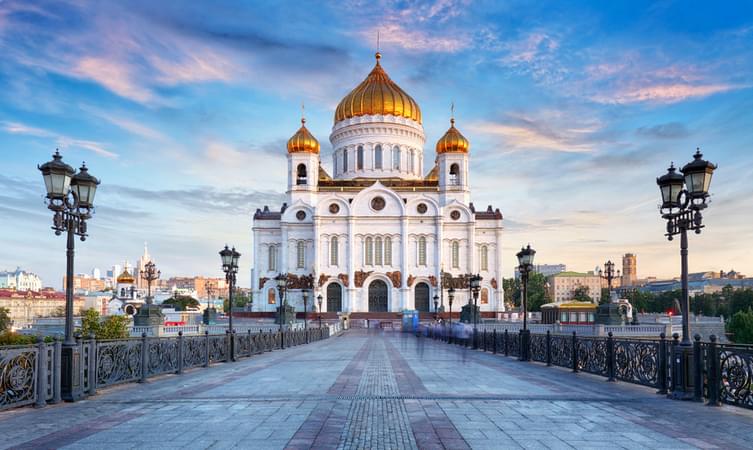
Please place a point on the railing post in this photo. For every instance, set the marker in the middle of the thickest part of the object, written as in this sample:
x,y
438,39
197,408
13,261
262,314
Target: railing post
x,y
712,358
575,352
92,364
671,359
548,348
494,338
662,364
180,352
610,357
56,373
697,369
144,357
206,348
507,337
41,388
250,352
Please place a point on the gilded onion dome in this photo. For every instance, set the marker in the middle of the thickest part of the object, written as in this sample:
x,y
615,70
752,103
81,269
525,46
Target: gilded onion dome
x,y
453,141
303,141
378,95
125,277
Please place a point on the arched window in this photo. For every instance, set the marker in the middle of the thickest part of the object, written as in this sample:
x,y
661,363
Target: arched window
x,y
271,297
378,251
333,251
422,251
455,254
411,155
272,261
378,157
369,251
387,251
301,174
484,257
396,158
301,254
359,157
484,296
337,167
454,175
345,160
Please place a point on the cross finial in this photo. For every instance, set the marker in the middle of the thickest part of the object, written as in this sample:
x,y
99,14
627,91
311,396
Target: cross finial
x,y
377,41
452,112
303,113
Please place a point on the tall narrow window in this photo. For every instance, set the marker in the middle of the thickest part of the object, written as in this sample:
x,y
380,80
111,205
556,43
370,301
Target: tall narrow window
x,y
396,158
272,258
378,251
455,254
336,168
369,251
378,157
484,257
454,175
410,161
301,174
271,297
345,160
387,251
301,254
359,157
333,251
422,251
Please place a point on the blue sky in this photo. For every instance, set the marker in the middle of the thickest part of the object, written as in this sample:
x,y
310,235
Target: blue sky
x,y
183,110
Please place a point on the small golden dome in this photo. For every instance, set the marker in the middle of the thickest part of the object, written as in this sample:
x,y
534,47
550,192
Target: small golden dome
x,y
125,277
453,141
378,95
303,141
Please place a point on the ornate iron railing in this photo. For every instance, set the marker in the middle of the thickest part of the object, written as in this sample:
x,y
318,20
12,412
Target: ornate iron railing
x,y
638,361
735,374
119,361
561,351
18,375
539,347
592,355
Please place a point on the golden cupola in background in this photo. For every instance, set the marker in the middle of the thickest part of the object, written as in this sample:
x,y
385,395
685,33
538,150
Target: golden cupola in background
x,y
303,141
453,141
378,95
125,278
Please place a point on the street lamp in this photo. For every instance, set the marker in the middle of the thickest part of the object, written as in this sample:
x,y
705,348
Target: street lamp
x,y
209,313
230,267
305,294
475,285
683,198
282,286
609,274
70,196
525,267
319,300
150,274
450,298
436,307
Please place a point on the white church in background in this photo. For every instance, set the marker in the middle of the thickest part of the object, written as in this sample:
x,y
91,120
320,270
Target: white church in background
x,y
383,231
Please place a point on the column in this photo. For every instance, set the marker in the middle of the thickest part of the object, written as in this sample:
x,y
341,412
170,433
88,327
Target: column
x,y
438,250
404,269
500,294
349,304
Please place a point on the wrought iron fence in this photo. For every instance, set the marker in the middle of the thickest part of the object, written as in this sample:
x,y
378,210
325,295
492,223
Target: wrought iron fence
x,y
735,374
31,374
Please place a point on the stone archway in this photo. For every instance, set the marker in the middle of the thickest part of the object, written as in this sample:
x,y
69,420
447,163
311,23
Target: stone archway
x,y
334,298
378,296
421,297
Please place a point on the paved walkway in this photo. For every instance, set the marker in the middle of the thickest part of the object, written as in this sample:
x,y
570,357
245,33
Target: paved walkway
x,y
374,391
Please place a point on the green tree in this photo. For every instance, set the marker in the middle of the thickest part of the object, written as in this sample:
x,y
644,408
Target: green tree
x,y
4,319
604,296
580,294
181,302
240,300
112,327
511,288
89,322
741,327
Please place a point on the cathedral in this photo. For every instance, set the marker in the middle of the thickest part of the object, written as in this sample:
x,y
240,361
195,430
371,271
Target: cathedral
x,y
382,232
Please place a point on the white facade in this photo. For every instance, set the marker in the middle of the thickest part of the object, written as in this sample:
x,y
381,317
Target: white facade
x,y
377,234
20,280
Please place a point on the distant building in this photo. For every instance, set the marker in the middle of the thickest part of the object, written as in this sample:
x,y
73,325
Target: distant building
x,y
26,306
20,280
701,283
545,269
203,287
562,286
629,270
83,284
140,267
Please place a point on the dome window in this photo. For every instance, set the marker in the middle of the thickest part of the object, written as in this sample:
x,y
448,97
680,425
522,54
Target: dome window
x,y
454,175
396,158
359,158
378,157
301,175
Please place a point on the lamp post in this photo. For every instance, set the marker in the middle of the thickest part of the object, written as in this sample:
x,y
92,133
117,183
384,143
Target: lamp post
x,y
70,196
230,267
319,300
609,274
209,314
150,274
450,298
436,307
525,266
282,286
683,198
475,286
305,294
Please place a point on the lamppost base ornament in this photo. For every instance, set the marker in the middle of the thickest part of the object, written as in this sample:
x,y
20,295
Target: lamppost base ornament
x,y
149,316
71,385
525,345
285,315
682,373
209,317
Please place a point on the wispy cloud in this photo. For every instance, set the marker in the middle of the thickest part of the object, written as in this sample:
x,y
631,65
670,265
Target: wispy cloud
x,y
664,93
61,140
669,130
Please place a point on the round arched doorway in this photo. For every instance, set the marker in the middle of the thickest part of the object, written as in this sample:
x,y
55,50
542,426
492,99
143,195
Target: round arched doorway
x,y
421,296
378,296
334,298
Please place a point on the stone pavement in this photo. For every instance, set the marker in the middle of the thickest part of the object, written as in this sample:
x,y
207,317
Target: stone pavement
x,y
378,391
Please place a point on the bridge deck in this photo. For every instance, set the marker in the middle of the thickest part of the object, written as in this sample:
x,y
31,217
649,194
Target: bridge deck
x,y
377,390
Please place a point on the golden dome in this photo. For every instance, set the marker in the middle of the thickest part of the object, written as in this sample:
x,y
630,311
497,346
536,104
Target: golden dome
x,y
378,95
125,277
453,141
303,141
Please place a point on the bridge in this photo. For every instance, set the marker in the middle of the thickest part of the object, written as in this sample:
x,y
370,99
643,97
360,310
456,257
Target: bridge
x,y
375,389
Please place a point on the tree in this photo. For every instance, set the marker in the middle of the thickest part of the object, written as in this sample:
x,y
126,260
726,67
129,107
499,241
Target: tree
x,y
112,327
4,319
240,300
181,302
580,294
741,327
605,296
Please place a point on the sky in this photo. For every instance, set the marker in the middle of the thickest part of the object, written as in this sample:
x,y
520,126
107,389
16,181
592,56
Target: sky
x,y
183,109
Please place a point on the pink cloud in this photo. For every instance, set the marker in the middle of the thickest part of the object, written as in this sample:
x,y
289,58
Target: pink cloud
x,y
413,39
61,141
664,93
